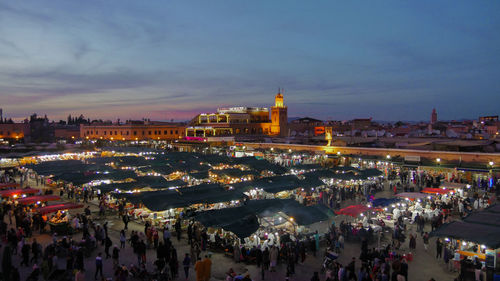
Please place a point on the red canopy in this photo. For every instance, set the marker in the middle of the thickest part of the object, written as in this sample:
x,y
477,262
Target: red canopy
x,y
353,210
12,192
58,207
8,185
411,195
436,190
39,198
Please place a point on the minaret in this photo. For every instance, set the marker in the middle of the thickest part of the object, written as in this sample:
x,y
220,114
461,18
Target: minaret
x,y
279,116
434,116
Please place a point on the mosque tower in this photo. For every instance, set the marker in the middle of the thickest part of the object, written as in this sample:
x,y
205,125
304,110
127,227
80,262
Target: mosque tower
x,y
434,116
279,116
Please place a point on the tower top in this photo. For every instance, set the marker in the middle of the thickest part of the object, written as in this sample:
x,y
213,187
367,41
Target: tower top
x,y
278,100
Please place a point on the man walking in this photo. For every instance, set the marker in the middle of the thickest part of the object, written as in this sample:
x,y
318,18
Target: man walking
x,y
98,265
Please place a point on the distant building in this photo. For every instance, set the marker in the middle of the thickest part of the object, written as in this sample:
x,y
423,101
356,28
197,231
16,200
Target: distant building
x,y
14,131
133,130
361,123
434,116
241,121
488,118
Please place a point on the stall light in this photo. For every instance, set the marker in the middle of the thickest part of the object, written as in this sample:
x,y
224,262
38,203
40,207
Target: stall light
x,y
388,156
491,163
438,160
361,214
291,219
276,233
447,239
38,202
385,209
394,206
483,247
464,243
15,196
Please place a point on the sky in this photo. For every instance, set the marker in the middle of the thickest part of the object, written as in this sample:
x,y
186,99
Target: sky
x,y
336,60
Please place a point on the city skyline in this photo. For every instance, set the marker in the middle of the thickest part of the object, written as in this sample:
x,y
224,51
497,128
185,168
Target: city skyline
x,y
338,61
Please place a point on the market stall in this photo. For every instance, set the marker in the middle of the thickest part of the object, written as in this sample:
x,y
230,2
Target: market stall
x,y
60,222
474,237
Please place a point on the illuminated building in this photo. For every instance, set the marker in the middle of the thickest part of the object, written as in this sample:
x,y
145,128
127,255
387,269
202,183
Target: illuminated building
x,y
14,131
133,130
236,121
279,117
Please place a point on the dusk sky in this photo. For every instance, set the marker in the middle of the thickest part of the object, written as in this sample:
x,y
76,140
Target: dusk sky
x,y
390,60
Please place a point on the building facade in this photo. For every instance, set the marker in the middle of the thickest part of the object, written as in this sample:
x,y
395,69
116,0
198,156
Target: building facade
x,y
133,131
14,131
241,121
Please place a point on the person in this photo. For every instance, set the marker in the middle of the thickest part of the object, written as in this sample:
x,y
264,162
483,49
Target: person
x,y
273,258
207,268
413,242
351,269
98,265
477,269
439,248
315,276
80,275
425,237
198,268
25,251
126,219
186,263
116,256
35,249
107,245
123,239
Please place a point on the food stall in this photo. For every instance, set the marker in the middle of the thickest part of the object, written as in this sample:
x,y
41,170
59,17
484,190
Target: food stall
x,y
475,236
60,222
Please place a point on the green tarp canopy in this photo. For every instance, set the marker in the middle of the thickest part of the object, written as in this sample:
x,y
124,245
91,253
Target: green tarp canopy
x,y
234,173
480,227
140,183
473,232
83,178
303,215
306,167
183,197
